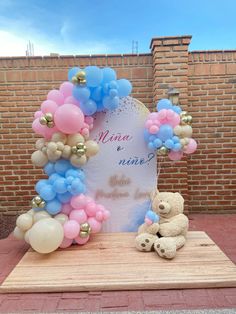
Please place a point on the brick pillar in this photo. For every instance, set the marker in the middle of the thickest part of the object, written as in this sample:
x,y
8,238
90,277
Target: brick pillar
x,y
170,69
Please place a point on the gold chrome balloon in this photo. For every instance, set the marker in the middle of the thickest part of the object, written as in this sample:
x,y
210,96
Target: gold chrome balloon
x,y
74,80
162,151
47,120
43,121
80,149
81,77
38,202
85,230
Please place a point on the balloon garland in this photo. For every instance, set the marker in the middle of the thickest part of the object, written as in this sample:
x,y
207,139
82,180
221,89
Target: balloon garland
x,y
61,212
168,131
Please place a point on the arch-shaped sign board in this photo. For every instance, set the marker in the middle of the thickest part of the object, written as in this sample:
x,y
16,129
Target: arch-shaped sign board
x,y
124,172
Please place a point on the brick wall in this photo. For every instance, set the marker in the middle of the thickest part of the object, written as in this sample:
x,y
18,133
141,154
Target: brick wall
x,y
206,80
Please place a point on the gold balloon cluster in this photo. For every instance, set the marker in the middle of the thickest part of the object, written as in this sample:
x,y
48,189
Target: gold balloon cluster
x,y
79,78
42,231
163,151
85,230
74,147
185,118
38,202
47,120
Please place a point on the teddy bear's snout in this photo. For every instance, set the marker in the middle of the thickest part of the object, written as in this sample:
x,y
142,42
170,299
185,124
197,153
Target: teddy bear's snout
x,y
161,206
164,208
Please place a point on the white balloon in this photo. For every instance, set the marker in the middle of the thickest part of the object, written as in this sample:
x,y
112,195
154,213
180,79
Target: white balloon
x,y
18,233
24,222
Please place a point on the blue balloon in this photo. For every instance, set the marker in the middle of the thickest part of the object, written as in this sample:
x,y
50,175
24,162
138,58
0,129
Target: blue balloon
x,y
151,146
40,184
88,108
164,104
49,168
177,147
72,72
113,85
94,76
97,94
59,186
76,187
113,92
53,177
157,143
124,87
72,173
61,166
47,193
53,207
105,88
152,138
100,107
81,93
146,135
165,132
175,139
176,109
64,198
106,102
114,103
108,75
169,143
152,216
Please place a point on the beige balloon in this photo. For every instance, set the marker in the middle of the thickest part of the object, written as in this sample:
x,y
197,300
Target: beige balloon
x,y
73,139
42,214
62,218
26,237
59,137
92,148
31,212
52,146
77,161
60,146
39,159
66,153
46,235
40,143
54,155
24,222
18,233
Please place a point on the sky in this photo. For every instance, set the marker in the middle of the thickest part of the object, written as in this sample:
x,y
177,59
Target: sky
x,y
75,27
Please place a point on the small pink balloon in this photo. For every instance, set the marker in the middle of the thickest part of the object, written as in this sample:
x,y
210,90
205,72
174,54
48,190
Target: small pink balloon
x,y
95,225
72,100
66,243
191,147
91,209
49,106
175,120
78,215
66,89
153,129
66,209
69,119
106,214
81,241
85,132
170,114
56,96
38,114
89,120
175,155
153,116
148,221
162,114
148,124
99,216
78,202
71,229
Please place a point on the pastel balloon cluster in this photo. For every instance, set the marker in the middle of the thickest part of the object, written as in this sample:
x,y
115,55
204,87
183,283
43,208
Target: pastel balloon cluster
x,y
97,89
168,131
151,217
85,217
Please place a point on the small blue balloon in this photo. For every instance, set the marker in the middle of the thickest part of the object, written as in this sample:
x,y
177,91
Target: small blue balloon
x,y
94,76
53,177
124,87
81,93
113,85
89,107
97,94
59,186
40,184
106,102
169,143
146,135
47,193
114,103
175,139
53,207
176,109
108,75
152,138
49,168
76,187
157,143
100,107
61,166
164,104
152,216
72,173
113,92
64,198
151,146
72,72
165,132
177,147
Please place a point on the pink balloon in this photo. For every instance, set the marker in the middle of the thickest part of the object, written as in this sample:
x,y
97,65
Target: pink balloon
x,y
66,89
95,225
81,241
153,129
78,215
66,209
191,147
69,119
56,96
42,129
89,120
66,243
71,229
153,116
162,114
175,155
38,114
100,216
78,202
85,132
91,209
148,124
49,106
72,100
106,214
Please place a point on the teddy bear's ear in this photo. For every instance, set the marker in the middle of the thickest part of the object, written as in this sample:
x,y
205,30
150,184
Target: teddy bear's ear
x,y
153,194
179,196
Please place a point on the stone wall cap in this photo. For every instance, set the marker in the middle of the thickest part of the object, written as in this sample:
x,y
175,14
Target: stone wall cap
x,y
169,40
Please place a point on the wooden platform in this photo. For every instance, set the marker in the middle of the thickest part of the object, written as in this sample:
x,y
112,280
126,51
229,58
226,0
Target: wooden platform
x,y
110,262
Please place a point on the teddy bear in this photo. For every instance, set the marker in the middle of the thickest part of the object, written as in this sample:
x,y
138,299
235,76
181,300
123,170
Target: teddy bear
x,y
168,234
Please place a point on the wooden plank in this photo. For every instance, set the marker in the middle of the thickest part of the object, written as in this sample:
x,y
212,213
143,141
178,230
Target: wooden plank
x,y
110,262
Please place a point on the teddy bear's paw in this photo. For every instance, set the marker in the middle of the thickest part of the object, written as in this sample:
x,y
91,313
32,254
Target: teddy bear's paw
x,y
165,248
144,242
